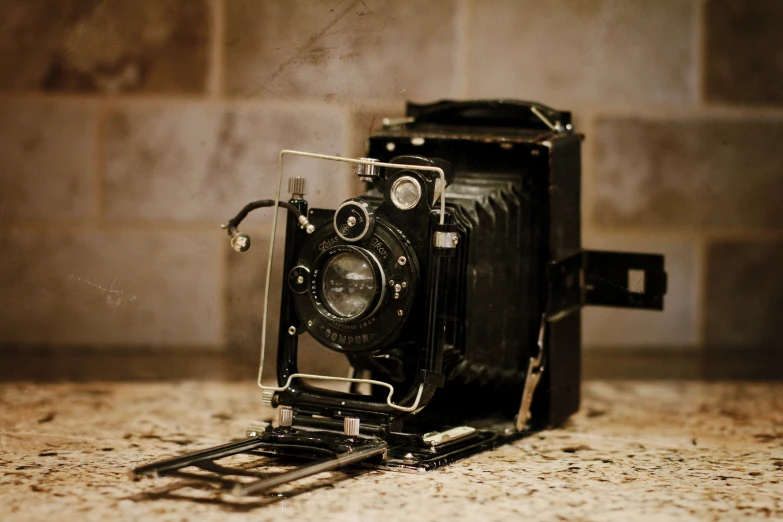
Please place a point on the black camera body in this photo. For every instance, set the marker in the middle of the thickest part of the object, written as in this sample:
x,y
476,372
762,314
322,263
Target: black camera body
x,y
454,313
453,285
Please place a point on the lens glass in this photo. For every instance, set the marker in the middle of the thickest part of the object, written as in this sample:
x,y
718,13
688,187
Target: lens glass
x,y
405,193
348,284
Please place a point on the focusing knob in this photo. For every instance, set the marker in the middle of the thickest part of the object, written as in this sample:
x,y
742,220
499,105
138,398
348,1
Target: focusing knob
x,y
299,279
354,220
297,187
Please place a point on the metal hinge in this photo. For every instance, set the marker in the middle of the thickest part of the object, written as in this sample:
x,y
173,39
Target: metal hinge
x,y
535,368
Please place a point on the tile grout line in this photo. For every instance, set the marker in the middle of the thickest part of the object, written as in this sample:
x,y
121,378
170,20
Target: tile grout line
x,y
702,242
700,51
460,51
172,225
216,72
617,110
215,92
588,171
749,234
223,297
99,157
106,226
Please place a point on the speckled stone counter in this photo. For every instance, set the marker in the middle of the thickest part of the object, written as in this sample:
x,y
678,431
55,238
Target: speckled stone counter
x,y
636,451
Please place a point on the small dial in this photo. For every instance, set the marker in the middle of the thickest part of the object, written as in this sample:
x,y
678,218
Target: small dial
x,y
354,220
299,279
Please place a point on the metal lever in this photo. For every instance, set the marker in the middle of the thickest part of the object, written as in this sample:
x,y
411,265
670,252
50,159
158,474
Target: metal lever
x,y
534,370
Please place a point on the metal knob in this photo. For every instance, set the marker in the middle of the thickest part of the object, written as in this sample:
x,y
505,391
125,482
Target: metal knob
x,y
240,242
297,187
255,429
267,397
285,416
351,426
367,172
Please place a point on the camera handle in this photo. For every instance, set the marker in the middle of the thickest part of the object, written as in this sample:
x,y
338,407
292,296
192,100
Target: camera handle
x,y
482,113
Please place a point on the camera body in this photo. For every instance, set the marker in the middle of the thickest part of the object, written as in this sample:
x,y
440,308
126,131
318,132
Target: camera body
x,y
453,285
453,315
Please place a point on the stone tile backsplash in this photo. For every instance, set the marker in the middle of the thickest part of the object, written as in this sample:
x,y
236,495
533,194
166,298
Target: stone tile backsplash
x,y
48,151
103,288
130,130
339,51
744,294
203,162
701,173
566,51
743,52
84,46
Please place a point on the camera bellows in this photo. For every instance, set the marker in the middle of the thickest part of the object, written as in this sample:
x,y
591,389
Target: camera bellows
x,y
492,316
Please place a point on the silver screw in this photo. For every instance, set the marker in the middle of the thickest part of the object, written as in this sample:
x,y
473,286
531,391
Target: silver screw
x,y
408,458
299,280
396,296
391,282
292,330
309,323
402,260
455,240
399,312
351,221
397,288
404,284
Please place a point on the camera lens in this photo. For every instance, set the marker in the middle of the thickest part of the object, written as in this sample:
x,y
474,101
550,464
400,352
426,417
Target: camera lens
x,y
348,284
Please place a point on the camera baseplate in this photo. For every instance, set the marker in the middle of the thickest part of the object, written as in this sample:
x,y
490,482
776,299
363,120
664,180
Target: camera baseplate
x,y
327,450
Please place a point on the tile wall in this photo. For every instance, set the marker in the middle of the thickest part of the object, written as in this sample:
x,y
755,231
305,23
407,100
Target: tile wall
x,y
130,129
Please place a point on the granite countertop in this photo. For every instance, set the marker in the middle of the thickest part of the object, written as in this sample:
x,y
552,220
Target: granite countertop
x,y
636,451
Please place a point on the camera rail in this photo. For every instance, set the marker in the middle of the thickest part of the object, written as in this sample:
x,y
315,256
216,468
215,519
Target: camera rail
x,y
326,450
342,451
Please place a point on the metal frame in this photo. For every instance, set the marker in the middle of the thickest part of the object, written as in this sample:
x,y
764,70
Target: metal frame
x,y
342,451
282,155
330,450
352,380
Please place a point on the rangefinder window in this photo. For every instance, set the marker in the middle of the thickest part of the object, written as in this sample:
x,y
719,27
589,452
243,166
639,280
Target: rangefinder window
x,y
405,192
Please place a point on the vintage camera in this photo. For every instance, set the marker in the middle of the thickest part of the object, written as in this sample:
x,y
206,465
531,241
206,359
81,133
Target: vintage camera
x,y
453,286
